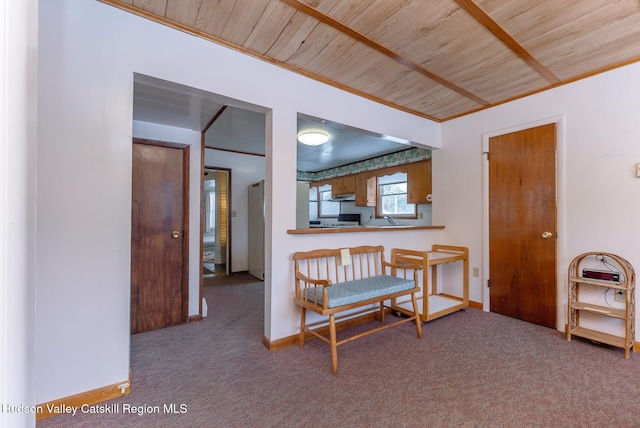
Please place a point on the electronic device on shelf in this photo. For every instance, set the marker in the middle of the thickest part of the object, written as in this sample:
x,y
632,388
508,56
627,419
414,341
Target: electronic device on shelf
x,y
601,275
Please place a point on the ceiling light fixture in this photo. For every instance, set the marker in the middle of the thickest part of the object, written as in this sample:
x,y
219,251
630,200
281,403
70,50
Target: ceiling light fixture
x,y
313,138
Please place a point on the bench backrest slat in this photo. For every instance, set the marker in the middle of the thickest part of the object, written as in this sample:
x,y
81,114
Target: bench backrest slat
x,y
365,261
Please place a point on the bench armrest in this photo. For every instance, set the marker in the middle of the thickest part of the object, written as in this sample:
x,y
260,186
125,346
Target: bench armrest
x,y
323,282
304,283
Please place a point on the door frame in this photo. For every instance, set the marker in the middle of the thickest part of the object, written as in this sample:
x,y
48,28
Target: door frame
x,y
561,272
229,216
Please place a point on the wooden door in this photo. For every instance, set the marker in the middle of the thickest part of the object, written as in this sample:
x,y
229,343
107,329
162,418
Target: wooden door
x,y
522,225
159,216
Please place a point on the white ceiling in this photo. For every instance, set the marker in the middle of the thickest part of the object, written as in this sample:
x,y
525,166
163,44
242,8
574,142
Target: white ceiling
x,y
346,145
163,102
241,128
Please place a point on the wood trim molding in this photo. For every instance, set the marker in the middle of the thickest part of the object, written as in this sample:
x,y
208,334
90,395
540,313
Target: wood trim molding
x,y
475,305
198,317
280,343
229,209
481,16
186,198
212,121
84,400
202,218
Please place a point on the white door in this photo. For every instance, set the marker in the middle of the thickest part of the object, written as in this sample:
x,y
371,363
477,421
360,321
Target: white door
x,y
256,230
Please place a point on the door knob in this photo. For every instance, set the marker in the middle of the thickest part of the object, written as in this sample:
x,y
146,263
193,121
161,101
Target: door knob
x,y
175,234
547,235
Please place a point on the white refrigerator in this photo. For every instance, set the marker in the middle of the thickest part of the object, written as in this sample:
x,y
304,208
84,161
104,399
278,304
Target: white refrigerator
x,y
302,205
256,230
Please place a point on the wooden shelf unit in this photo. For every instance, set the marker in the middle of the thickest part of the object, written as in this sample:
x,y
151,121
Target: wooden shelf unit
x,y
626,340
434,303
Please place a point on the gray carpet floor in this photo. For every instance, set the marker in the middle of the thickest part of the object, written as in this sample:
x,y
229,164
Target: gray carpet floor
x,y
470,369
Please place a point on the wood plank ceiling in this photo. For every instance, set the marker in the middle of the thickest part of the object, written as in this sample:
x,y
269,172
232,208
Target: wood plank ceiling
x,y
438,59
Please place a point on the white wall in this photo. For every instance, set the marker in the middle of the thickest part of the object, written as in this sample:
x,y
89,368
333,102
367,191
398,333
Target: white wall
x,y
87,56
18,136
598,147
245,170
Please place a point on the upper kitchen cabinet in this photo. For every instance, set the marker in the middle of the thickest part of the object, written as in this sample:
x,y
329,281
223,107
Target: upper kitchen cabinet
x,y
345,185
365,190
419,182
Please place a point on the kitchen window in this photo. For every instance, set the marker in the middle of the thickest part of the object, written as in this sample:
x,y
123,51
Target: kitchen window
x,y
392,196
313,203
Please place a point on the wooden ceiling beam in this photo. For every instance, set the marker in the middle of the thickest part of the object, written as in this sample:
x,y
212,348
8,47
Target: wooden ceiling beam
x,y
214,118
314,13
481,16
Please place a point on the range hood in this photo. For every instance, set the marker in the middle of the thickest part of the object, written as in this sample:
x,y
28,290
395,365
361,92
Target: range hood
x,y
343,198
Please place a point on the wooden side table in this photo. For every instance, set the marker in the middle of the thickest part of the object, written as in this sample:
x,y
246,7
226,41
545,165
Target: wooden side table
x,y
434,303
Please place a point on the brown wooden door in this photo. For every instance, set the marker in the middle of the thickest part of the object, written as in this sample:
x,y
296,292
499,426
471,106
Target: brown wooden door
x,y
522,225
158,242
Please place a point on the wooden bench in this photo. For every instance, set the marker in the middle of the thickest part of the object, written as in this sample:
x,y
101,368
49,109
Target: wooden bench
x,y
331,281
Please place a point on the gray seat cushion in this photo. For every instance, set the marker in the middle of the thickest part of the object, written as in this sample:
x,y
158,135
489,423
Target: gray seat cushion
x,y
349,292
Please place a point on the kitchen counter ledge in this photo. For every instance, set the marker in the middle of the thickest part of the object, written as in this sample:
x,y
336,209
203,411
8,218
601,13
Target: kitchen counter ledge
x,y
357,229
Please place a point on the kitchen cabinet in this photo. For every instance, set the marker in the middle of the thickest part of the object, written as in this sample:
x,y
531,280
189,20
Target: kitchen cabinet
x,y
365,185
365,190
579,281
419,182
345,185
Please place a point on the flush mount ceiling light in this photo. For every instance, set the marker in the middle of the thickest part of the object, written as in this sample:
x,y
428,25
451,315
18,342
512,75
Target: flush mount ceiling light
x,y
313,138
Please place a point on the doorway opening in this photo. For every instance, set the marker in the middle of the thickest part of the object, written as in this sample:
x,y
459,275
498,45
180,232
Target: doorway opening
x,y
216,239
232,134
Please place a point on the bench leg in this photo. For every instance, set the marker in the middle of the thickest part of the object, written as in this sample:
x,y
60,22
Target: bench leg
x,y
303,320
417,314
382,312
334,346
